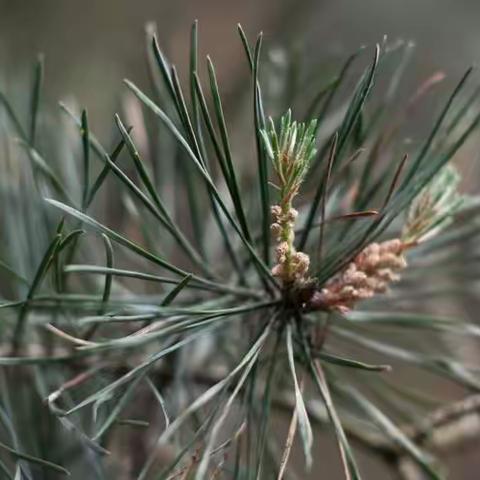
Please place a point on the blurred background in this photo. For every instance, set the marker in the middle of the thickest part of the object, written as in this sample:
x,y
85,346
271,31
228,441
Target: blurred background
x,y
90,46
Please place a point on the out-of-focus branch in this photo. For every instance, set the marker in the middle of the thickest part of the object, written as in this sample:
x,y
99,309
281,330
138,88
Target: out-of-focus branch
x,y
448,428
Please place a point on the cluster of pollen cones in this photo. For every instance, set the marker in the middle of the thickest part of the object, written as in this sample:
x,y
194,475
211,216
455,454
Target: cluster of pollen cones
x,y
368,274
292,266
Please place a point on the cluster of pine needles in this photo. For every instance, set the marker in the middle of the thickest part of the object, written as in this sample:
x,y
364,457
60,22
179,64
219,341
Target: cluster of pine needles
x,y
168,299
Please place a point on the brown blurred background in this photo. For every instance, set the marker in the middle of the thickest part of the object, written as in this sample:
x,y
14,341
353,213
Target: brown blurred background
x,y
90,46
